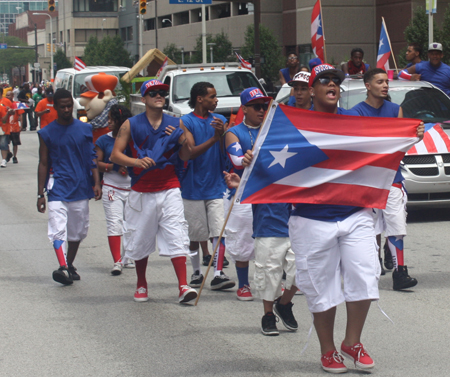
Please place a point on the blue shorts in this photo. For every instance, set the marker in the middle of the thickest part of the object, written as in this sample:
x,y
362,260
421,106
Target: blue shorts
x,y
4,142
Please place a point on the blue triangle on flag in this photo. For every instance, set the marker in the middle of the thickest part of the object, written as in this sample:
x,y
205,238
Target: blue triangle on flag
x,y
282,133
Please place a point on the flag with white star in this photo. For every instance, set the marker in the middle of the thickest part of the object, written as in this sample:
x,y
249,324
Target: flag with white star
x,y
384,49
303,156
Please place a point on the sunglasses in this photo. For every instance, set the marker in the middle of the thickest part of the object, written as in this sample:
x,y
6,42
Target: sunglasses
x,y
326,80
259,106
154,93
292,57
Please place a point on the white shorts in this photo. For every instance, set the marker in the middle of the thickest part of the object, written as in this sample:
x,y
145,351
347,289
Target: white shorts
x,y
114,203
325,251
238,231
204,217
68,221
392,219
272,256
155,214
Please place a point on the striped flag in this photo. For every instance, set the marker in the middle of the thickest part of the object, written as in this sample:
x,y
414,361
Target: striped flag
x,y
79,64
244,63
317,37
384,49
303,156
435,140
20,106
165,62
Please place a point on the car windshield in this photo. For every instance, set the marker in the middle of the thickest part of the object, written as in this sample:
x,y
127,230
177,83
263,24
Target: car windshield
x,y
80,87
227,84
427,104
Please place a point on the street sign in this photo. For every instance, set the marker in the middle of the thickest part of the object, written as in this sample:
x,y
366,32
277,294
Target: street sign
x,y
190,2
3,46
37,65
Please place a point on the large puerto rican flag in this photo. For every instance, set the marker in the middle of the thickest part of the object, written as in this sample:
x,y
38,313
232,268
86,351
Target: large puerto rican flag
x,y
317,37
435,140
384,49
303,156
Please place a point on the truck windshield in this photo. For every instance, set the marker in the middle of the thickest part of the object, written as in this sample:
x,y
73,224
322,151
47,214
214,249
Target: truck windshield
x,y
227,84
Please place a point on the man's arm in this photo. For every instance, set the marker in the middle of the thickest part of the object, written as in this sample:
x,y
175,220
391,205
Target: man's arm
x,y
120,158
97,186
197,150
42,174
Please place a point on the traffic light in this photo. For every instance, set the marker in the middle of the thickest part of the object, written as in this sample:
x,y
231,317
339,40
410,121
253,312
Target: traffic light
x,y
48,46
51,5
142,6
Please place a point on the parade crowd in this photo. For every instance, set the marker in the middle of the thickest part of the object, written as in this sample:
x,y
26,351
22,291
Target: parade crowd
x,y
169,183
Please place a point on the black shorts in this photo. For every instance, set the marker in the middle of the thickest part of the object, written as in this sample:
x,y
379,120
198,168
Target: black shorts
x,y
15,138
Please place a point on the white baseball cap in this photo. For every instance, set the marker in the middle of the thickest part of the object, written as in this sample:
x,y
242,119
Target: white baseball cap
x,y
435,47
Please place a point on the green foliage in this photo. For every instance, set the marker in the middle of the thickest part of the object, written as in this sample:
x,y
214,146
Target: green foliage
x,y
222,51
61,60
270,51
444,36
108,51
11,57
173,52
417,31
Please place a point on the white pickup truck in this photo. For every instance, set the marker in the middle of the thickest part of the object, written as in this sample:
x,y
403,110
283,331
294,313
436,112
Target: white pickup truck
x,y
229,80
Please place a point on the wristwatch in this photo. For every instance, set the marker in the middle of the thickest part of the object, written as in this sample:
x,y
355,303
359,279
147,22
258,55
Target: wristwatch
x,y
40,196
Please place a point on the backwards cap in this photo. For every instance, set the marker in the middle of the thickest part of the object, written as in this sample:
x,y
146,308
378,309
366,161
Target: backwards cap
x,y
301,76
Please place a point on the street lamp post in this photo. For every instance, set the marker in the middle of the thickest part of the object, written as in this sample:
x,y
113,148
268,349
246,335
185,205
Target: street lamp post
x,y
182,54
102,26
211,50
51,41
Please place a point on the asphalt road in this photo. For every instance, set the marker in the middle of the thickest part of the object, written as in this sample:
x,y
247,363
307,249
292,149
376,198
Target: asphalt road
x,y
94,328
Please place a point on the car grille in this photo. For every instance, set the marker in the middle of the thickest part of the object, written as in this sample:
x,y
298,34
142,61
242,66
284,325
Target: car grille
x,y
425,171
420,159
428,196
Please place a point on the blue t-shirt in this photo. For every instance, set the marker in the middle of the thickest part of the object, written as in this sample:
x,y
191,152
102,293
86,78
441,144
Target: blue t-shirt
x,y
271,220
247,137
387,110
326,212
106,144
203,179
286,75
70,152
438,76
292,101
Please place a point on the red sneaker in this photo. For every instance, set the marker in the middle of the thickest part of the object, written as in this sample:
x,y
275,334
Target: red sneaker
x,y
358,355
333,362
186,294
141,294
244,293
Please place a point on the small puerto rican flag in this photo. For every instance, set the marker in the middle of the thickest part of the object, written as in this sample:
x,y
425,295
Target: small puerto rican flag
x,y
165,62
79,64
20,106
244,63
435,140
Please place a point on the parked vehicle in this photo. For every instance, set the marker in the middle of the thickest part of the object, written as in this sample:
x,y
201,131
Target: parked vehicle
x,y
229,80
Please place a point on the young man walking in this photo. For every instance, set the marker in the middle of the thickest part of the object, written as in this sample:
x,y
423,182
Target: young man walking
x,y
151,142
67,168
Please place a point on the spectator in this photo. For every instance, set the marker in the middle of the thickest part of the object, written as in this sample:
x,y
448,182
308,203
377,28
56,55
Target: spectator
x,y
5,130
24,97
15,126
292,67
356,65
302,96
413,54
45,110
37,96
433,70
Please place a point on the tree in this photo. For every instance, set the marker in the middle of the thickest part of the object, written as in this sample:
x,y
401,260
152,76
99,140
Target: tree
x,y
109,51
222,50
11,57
417,31
173,52
270,51
444,36
61,60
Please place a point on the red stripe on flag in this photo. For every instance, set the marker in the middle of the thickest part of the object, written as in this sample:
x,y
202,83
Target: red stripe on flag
x,y
443,136
348,125
327,193
382,62
350,160
429,143
413,150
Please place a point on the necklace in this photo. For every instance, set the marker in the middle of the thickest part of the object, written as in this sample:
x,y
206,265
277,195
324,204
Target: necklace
x,y
250,128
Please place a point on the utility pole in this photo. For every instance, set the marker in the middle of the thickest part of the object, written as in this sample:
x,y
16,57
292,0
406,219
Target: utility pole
x,y
35,73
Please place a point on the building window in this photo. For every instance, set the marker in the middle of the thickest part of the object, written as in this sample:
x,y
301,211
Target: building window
x,y
80,35
95,5
149,24
220,11
242,9
181,18
123,34
129,33
68,36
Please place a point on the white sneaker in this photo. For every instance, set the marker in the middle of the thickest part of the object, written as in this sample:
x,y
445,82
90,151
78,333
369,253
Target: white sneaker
x,y
3,165
129,264
117,269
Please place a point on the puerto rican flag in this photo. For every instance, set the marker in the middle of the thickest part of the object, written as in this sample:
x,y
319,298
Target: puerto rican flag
x,y
384,49
317,37
165,62
303,156
244,63
20,106
435,140
78,64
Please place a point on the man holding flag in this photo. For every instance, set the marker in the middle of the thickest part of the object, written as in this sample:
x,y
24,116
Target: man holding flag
x,y
394,215
331,241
